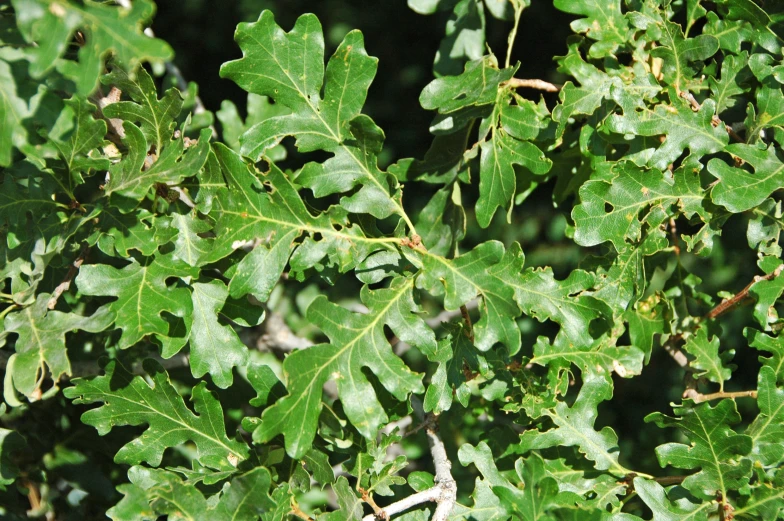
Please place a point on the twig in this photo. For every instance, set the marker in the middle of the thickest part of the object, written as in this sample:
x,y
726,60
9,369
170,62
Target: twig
x,y
278,336
467,320
295,510
518,10
715,120
698,397
546,86
66,283
367,497
670,480
673,349
688,96
447,316
443,493
739,298
183,196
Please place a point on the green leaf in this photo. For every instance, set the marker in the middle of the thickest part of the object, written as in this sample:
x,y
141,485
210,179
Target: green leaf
x,y
497,180
541,296
13,110
142,296
766,501
728,88
350,505
157,492
604,22
574,427
767,113
11,444
645,321
442,221
163,493
156,118
714,447
602,489
25,196
129,179
268,214
464,38
767,430
768,291
600,358
110,28
765,228
677,52
759,20
476,86
730,33
117,233
738,189
134,506
189,246
486,506
259,109
480,272
540,492
289,68
41,342
215,348
85,135
666,509
454,354
482,457
356,341
617,210
708,362
131,400
682,127
772,345
246,497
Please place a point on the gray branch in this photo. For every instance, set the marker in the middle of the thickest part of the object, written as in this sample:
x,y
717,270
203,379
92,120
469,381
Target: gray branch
x,y
443,493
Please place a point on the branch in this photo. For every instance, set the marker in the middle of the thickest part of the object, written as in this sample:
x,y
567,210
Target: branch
x,y
672,348
443,493
447,316
715,121
467,320
278,336
728,304
546,86
66,283
698,397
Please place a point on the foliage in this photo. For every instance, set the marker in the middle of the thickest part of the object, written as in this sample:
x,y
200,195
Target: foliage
x,y
260,315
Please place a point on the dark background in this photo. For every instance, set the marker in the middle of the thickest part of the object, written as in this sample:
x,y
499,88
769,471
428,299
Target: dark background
x,y
405,43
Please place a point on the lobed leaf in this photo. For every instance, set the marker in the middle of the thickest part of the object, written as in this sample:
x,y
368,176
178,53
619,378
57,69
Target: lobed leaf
x,y
130,400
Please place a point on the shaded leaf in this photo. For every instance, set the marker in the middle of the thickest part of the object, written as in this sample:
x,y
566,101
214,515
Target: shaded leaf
x,y
110,28
142,296
574,427
357,341
130,400
129,178
479,272
155,117
714,447
289,68
215,348
41,342
708,362
738,189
